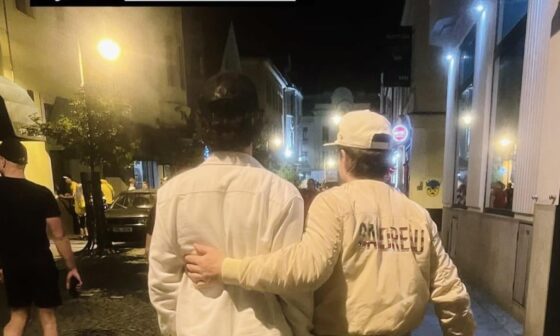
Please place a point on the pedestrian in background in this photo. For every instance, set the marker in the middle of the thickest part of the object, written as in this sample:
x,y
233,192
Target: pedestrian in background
x,y
80,210
108,192
308,194
68,200
28,271
131,184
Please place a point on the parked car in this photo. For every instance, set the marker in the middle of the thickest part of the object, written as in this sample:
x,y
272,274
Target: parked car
x,y
127,217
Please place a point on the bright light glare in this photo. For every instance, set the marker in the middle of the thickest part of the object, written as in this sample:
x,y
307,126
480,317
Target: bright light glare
x,y
467,119
288,153
276,141
331,163
109,49
504,142
336,119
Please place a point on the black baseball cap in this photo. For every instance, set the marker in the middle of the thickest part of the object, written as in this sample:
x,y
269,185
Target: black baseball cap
x,y
12,150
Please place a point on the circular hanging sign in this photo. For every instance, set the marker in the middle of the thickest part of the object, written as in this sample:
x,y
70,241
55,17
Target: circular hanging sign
x,y
400,133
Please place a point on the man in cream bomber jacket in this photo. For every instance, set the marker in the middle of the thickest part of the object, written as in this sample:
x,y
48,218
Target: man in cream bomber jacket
x,y
373,257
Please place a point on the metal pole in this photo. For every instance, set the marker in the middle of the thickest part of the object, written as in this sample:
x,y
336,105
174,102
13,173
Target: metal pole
x,y
81,64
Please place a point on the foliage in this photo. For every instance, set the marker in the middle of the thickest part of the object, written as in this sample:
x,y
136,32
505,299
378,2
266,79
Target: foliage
x,y
289,173
94,130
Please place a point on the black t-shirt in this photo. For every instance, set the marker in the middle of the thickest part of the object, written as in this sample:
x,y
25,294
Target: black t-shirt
x,y
24,208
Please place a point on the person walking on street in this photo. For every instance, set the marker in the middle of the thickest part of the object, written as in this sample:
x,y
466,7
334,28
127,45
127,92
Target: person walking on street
x,y
27,266
80,210
108,192
309,194
232,202
68,200
131,184
373,257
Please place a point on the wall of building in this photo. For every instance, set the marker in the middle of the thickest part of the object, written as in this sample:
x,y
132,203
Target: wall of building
x,y
319,122
495,249
39,49
428,70
546,215
426,161
485,249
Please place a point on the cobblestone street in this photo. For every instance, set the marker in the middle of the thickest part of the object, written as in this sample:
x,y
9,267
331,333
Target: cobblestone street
x,y
114,299
115,302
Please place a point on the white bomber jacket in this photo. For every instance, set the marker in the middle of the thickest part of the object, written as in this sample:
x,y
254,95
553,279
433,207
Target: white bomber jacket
x,y
232,202
374,260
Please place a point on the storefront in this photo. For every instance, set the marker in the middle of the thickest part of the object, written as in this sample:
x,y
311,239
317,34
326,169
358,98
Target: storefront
x,y
501,180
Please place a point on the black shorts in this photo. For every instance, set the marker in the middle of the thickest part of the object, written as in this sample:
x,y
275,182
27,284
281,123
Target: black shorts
x,y
32,284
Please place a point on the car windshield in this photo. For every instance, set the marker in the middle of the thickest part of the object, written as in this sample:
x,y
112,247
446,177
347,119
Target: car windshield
x,y
136,200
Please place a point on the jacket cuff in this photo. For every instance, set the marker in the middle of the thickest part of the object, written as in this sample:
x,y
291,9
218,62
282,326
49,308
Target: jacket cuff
x,y
231,271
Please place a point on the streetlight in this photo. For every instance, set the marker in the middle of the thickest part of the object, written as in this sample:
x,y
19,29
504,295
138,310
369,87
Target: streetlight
x,y
276,141
479,8
109,49
330,163
335,119
288,153
504,142
467,119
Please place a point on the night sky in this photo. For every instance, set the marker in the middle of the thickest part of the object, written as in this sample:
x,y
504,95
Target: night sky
x,y
331,45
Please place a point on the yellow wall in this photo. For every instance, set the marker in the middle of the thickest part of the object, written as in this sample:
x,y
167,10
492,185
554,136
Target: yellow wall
x,y
39,169
426,160
42,55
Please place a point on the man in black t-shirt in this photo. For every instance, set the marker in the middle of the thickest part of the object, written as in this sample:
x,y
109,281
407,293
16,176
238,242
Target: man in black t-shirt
x,y
29,273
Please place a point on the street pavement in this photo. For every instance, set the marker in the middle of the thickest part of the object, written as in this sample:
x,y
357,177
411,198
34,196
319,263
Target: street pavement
x,y
115,302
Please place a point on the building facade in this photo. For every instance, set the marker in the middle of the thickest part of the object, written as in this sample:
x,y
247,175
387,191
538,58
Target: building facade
x,y
424,106
500,178
281,103
319,126
51,51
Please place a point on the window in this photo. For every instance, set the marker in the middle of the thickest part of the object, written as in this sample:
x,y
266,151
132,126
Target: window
x,y
181,63
465,117
290,134
171,64
24,7
508,74
325,134
305,134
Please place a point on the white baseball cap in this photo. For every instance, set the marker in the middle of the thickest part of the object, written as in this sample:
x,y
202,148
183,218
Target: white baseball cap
x,y
364,130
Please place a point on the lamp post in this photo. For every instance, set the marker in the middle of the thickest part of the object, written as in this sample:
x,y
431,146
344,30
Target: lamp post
x,y
109,50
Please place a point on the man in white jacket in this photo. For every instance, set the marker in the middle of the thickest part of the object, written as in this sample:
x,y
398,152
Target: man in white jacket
x,y
232,202
373,257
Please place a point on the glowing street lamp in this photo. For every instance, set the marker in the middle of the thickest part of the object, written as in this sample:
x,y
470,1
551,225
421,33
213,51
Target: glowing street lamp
x,y
330,163
109,49
504,142
276,141
335,119
288,153
479,8
467,119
